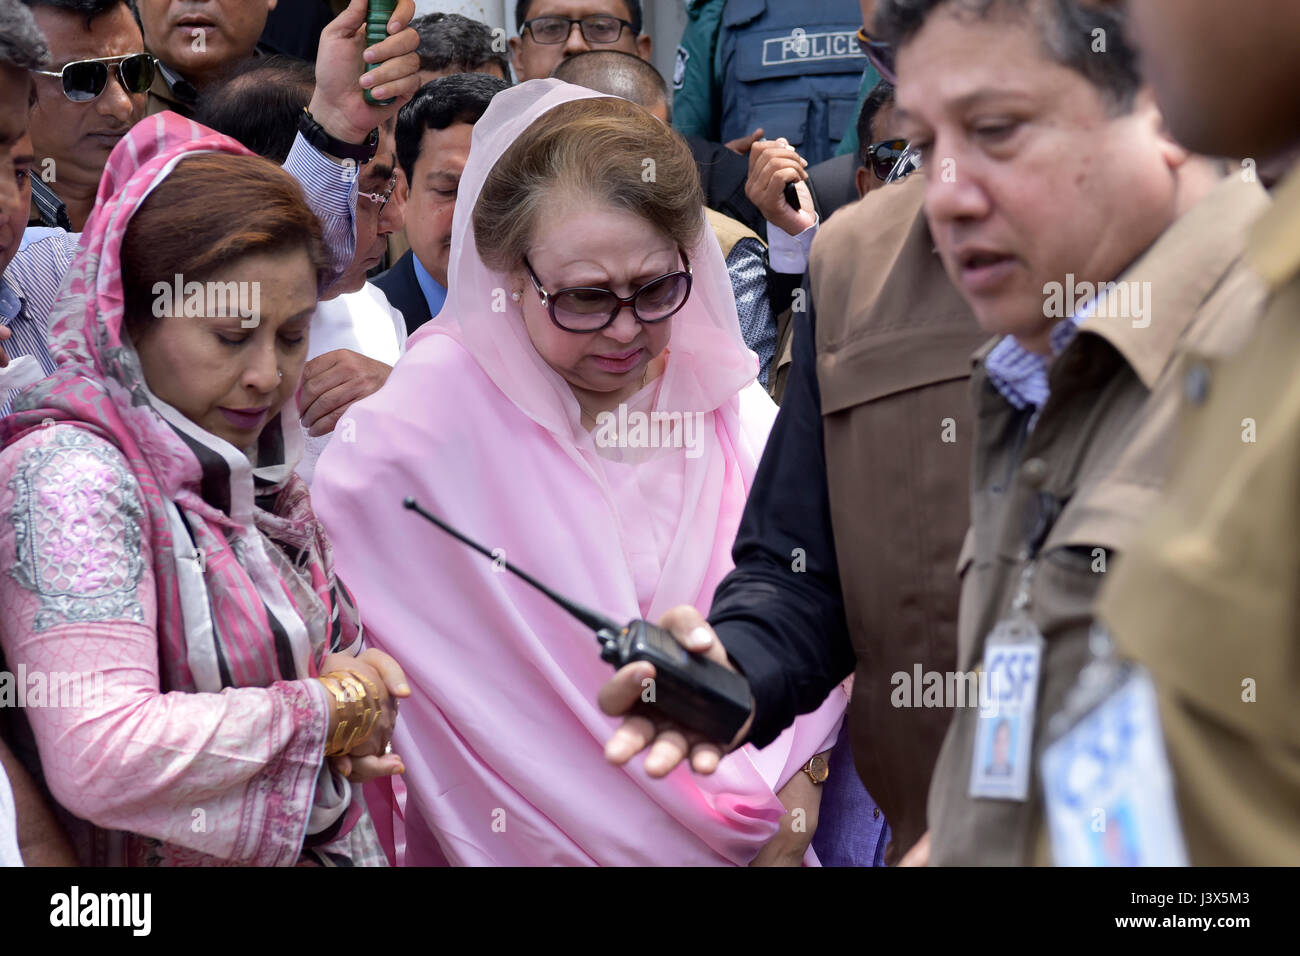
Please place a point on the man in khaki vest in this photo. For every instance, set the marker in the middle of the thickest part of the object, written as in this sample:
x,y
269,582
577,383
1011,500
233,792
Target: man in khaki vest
x,y
893,344
1207,598
1042,183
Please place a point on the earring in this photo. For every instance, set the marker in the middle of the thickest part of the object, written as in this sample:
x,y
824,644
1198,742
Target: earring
x,y
516,295
279,373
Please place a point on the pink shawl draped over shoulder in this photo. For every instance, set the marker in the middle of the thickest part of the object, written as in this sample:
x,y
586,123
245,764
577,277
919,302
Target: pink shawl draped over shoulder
x,y
502,738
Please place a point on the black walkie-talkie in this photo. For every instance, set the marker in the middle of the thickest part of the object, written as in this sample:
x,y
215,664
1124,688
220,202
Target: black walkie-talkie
x,y
689,689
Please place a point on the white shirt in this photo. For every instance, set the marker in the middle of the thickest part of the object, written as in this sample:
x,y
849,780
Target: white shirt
x,y
361,321
788,254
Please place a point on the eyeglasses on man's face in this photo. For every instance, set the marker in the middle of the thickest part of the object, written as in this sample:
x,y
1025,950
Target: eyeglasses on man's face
x,y
586,309
85,80
380,200
597,28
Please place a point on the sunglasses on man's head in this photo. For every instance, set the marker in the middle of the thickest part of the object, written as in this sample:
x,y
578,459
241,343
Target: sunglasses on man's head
x,y
884,156
84,80
880,53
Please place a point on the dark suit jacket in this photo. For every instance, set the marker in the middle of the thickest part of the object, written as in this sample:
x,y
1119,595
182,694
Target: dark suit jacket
x,y
404,293
293,28
722,177
834,183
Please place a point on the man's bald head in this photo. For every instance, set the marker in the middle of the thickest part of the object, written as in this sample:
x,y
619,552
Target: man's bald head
x,y
619,74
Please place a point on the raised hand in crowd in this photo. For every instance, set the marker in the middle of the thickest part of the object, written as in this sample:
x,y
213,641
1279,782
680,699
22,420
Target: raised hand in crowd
x,y
339,103
774,164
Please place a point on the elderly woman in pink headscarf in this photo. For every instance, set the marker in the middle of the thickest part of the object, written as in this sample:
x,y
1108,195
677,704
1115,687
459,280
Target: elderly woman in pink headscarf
x,y
585,403
207,699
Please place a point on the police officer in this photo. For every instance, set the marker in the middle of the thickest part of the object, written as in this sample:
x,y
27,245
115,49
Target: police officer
x,y
793,70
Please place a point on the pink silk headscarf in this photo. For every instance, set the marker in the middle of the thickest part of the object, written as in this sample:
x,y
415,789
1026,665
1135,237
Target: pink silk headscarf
x,y
502,737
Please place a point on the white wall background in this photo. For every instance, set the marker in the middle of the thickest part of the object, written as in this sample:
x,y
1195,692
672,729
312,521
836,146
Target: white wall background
x,y
664,21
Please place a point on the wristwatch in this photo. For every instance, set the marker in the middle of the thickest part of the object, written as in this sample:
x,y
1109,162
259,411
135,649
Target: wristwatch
x,y
314,133
817,769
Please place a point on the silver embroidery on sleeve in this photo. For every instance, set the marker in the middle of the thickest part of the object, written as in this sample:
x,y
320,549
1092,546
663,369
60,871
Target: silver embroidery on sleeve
x,y
76,517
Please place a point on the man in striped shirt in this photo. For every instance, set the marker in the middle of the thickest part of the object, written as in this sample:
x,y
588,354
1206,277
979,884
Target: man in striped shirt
x,y
22,49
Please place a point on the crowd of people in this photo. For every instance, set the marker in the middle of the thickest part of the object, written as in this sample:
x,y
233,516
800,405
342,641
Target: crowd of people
x,y
925,362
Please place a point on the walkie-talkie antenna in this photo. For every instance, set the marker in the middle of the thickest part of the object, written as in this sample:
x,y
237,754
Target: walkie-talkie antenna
x,y
597,622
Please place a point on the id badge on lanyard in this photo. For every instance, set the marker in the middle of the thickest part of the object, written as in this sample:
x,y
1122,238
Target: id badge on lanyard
x,y
1004,732
1106,781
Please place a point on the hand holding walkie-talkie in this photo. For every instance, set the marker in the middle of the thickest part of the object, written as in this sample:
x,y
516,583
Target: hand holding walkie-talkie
x,y
690,692
667,742
777,185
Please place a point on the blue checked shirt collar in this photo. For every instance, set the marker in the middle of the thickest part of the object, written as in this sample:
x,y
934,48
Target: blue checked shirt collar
x,y
1019,375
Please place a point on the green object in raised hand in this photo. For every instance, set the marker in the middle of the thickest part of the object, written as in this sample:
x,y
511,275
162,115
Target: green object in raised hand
x,y
378,13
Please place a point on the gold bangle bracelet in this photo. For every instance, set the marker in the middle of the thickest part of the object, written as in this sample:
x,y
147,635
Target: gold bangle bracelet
x,y
356,707
342,708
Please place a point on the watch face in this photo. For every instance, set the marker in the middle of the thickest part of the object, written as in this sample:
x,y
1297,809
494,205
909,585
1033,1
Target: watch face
x,y
818,769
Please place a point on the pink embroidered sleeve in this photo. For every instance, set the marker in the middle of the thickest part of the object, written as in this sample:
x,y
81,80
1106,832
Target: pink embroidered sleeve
x,y
230,774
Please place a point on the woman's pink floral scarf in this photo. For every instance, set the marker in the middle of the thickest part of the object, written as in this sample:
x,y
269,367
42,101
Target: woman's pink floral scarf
x,y
246,590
